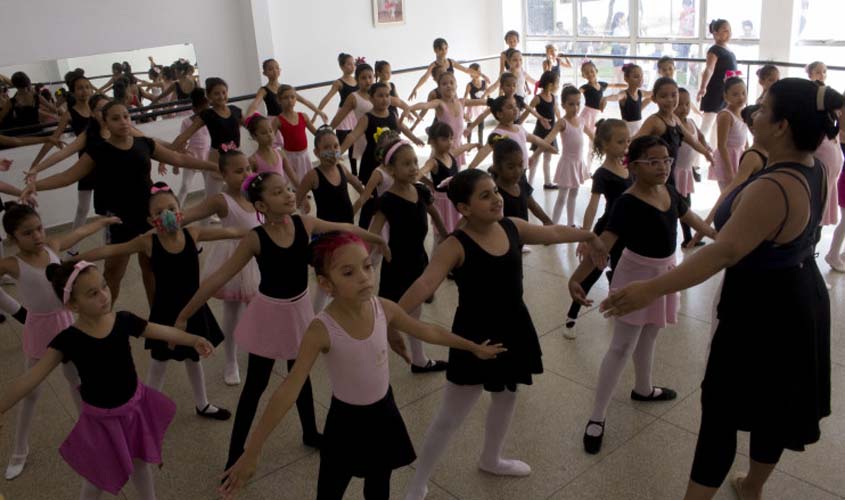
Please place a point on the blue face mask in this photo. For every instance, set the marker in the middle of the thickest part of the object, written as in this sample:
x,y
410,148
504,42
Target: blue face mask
x,y
168,221
330,155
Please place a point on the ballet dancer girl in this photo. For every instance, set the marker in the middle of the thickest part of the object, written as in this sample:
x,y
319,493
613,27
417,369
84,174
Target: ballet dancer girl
x,y
546,105
485,255
632,100
508,81
572,169
270,94
406,207
174,258
344,86
555,60
266,157
767,75
123,192
508,172
383,74
292,125
593,90
441,167
450,109
524,81
645,220
685,163
505,110
476,89
45,316
610,181
329,181
364,135
512,41
237,213
122,423
720,60
731,133
280,245
365,435
816,71
441,51
199,145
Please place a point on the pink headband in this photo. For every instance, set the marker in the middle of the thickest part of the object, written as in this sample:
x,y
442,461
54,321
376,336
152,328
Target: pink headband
x,y
393,149
77,268
162,189
251,117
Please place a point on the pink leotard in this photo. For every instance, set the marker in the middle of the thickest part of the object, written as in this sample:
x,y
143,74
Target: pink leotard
x,y
358,369
444,114
737,137
263,166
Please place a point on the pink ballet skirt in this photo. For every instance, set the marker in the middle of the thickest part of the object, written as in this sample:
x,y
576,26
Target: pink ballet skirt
x,y
735,143
684,180
273,328
572,170
104,441
448,212
300,162
589,116
830,154
634,267
244,285
41,328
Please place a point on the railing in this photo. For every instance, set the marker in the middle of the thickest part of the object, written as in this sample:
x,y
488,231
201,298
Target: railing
x,y
153,111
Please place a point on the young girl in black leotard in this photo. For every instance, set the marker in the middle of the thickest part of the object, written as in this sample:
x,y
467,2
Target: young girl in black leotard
x,y
486,260
545,104
344,86
280,245
174,259
406,206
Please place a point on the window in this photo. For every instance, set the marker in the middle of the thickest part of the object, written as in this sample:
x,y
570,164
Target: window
x,y
549,17
744,16
669,18
821,20
603,18
686,73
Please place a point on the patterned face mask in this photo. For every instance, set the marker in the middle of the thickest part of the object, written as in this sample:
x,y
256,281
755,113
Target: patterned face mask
x,y
168,221
330,155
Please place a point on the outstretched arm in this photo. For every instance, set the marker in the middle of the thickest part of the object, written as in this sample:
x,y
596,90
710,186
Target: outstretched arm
x,y
68,240
446,256
139,244
421,81
26,383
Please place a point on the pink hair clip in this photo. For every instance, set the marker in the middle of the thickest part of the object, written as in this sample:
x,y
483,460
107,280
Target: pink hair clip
x,y
162,189
248,182
77,268
5,164
360,60
251,117
732,73
229,146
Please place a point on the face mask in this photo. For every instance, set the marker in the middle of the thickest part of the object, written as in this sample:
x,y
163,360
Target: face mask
x,y
330,155
168,221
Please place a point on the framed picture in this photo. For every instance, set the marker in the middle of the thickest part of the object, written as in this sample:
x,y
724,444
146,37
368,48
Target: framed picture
x,y
388,12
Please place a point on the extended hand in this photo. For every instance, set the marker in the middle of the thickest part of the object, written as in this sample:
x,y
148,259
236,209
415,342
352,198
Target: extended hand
x,y
576,291
485,350
237,475
634,296
203,347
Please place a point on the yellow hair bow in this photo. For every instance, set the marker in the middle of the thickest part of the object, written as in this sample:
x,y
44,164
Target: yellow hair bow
x,y
379,132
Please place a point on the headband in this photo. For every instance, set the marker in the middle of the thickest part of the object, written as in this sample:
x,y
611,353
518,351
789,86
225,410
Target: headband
x,y
248,182
77,268
732,73
162,189
251,117
820,98
393,149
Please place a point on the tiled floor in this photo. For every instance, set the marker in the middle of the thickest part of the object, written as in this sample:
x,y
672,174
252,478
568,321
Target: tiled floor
x,y
647,452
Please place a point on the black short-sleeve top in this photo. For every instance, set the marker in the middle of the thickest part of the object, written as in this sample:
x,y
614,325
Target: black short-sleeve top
x,y
223,130
644,229
123,178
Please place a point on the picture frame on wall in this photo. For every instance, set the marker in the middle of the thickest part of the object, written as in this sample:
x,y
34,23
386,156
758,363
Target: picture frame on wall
x,y
388,12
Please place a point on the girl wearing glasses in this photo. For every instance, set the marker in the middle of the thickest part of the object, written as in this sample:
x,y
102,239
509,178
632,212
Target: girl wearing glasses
x,y
645,219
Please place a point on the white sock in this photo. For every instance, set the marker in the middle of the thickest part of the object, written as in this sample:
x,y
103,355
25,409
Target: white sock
x,y
643,357
621,347
499,417
570,206
142,478
155,374
89,491
231,315
197,378
418,356
458,401
83,206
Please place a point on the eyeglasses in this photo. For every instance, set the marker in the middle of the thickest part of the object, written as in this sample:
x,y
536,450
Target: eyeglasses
x,y
657,162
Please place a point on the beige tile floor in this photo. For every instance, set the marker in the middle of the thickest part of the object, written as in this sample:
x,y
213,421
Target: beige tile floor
x,y
647,452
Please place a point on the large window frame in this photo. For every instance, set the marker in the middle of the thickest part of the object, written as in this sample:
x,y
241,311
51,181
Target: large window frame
x,y
634,39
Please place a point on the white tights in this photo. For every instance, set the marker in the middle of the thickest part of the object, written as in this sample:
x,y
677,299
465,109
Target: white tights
x,y
231,315
418,356
458,401
142,478
83,205
547,168
566,196
838,236
708,129
627,340
155,379
27,407
7,303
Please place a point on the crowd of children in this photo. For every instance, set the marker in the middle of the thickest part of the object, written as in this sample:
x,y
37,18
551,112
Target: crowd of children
x,y
269,239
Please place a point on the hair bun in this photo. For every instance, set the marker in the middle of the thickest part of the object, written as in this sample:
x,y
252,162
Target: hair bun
x,y
51,270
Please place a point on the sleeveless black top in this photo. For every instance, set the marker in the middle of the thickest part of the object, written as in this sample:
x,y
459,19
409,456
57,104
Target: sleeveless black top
x,y
78,123
477,92
333,203
714,98
26,115
181,94
345,90
284,271
592,97
368,160
223,130
630,109
443,173
674,137
271,102
763,157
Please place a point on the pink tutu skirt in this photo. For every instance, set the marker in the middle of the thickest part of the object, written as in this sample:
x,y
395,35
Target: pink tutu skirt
x,y
684,181
41,328
448,212
244,285
721,172
273,328
571,172
830,154
635,267
589,117
300,162
348,123
105,441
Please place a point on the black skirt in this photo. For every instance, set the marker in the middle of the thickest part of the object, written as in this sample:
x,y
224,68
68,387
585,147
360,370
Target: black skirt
x,y
769,364
366,439
202,324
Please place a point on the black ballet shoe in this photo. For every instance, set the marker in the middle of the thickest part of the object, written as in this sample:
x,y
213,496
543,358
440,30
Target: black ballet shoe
x,y
431,366
592,444
665,395
313,440
220,414
20,315
550,187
